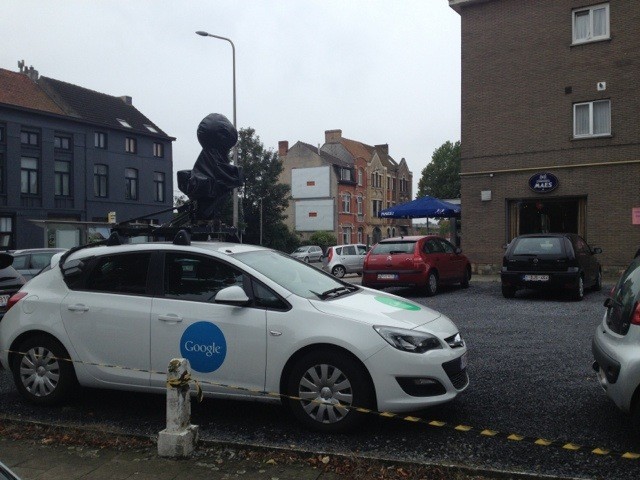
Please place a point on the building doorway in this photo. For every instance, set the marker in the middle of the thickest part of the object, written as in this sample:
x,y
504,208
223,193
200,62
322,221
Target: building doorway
x,y
553,215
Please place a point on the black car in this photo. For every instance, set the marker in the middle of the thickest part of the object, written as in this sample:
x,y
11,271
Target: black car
x,y
10,281
553,261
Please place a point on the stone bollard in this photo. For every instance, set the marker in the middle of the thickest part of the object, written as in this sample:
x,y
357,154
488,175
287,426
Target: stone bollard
x,y
180,437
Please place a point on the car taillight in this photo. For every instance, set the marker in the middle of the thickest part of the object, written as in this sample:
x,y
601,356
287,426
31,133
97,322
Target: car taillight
x,y
330,254
635,319
15,298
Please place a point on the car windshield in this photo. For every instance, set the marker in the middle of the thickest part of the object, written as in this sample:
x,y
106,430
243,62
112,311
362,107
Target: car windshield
x,y
394,247
538,246
299,278
300,249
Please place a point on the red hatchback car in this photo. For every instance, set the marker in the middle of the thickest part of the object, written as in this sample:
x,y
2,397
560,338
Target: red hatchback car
x,y
421,261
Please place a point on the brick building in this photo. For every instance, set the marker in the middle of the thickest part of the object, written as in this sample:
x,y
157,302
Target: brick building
x,y
341,186
69,156
550,137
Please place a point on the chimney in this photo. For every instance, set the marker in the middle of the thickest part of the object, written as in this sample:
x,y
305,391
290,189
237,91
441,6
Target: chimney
x,y
127,99
383,148
283,148
332,136
32,73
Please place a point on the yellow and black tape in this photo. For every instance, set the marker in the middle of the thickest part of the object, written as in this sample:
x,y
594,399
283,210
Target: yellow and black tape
x,y
512,437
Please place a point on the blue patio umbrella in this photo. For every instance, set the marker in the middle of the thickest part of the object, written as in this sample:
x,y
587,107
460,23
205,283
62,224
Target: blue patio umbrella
x,y
424,207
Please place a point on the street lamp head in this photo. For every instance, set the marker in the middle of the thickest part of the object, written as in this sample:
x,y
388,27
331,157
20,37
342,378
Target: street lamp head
x,y
202,34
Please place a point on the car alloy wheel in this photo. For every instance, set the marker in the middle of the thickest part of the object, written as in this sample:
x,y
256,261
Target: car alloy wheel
x,y
306,259
578,294
338,271
327,386
432,284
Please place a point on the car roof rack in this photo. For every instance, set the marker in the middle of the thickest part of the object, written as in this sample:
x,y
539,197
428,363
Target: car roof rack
x,y
181,230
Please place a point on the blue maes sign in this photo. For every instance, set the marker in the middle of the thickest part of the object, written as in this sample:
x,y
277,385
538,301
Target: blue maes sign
x,y
543,182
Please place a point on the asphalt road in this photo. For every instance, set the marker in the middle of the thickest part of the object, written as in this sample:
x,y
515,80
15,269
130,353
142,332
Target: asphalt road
x,y
530,370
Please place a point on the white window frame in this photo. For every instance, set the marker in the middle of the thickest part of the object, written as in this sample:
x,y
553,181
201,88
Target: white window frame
x,y
590,134
346,235
346,203
360,234
360,201
590,37
359,177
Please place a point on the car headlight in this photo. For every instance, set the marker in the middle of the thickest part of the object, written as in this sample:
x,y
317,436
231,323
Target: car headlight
x,y
408,340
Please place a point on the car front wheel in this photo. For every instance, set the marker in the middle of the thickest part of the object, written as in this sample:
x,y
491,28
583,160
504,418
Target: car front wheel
x,y
328,386
598,283
306,259
42,371
466,277
578,291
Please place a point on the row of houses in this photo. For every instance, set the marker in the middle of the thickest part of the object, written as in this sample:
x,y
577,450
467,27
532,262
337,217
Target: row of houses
x,y
341,186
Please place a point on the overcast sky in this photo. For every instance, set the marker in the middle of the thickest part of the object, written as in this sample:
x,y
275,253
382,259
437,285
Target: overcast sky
x,y
381,71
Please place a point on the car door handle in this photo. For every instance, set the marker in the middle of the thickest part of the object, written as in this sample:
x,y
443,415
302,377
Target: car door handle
x,y
78,307
171,317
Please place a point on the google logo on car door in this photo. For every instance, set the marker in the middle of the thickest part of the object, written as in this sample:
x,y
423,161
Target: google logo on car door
x,y
204,345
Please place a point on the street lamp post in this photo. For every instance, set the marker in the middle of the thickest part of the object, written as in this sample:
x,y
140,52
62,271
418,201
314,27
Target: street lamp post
x,y
235,148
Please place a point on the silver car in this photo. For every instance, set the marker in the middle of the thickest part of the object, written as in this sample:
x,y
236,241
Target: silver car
x,y
343,259
616,344
308,253
29,262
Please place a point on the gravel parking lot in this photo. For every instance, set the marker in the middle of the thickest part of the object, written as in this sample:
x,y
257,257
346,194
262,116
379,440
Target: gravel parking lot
x,y
530,370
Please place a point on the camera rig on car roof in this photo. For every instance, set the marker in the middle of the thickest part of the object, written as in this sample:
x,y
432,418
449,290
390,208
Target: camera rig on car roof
x,y
207,185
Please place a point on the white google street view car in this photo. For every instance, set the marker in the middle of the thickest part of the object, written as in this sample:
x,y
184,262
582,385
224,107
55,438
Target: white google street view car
x,y
242,315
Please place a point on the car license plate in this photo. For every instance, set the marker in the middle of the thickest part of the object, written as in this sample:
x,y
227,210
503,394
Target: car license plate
x,y
464,359
387,276
535,278
3,300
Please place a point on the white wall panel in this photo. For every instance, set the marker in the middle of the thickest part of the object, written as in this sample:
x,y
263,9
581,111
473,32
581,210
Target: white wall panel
x,y
314,215
311,182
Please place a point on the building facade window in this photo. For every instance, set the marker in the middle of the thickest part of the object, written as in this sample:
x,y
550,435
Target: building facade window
x,y
1,133
62,178
158,150
346,235
359,201
592,119
376,180
360,177
376,206
360,235
6,232
346,203
591,24
29,176
345,174
62,143
2,173
29,138
130,183
100,140
158,180
130,145
101,181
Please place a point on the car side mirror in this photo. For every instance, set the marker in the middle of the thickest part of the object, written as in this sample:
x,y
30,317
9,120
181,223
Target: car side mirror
x,y
5,260
608,302
597,250
233,295
458,250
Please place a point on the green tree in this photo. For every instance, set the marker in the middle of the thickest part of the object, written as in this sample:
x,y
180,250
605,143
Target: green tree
x,y
262,197
441,177
323,239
